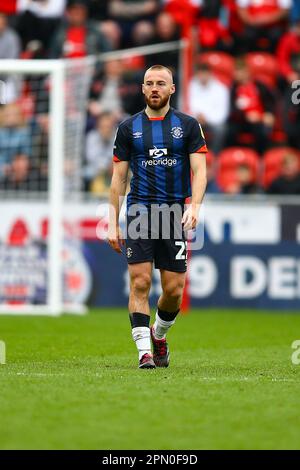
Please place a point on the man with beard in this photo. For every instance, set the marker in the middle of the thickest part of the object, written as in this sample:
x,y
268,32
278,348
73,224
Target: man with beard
x,y
161,146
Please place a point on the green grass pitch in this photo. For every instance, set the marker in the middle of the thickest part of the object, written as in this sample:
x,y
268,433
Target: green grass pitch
x,y
73,383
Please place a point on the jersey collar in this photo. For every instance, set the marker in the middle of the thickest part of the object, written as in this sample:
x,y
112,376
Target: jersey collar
x,y
160,118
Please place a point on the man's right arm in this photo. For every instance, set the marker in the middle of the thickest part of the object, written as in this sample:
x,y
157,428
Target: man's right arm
x,y
117,194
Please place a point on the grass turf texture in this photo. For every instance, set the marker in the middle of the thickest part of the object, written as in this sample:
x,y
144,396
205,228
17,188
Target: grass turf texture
x,y
73,383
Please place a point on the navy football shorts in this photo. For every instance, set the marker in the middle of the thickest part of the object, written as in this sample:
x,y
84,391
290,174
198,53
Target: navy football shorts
x,y
156,234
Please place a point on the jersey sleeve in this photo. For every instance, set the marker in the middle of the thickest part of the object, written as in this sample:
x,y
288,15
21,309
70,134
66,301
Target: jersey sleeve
x,y
121,145
196,139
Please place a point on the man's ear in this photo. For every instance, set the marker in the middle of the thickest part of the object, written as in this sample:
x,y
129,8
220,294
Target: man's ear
x,y
173,89
143,89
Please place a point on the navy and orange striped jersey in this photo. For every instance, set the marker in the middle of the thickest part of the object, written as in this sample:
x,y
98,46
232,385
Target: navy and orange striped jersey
x,y
158,150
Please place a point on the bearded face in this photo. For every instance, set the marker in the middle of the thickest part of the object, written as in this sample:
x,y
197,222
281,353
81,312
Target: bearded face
x,y
157,88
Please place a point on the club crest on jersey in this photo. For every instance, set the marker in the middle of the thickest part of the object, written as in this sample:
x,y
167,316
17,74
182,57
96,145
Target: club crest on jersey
x,y
158,153
177,132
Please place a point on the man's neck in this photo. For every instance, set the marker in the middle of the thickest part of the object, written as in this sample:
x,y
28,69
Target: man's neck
x,y
154,113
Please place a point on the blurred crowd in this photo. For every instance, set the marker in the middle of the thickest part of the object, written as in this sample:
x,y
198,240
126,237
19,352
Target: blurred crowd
x,y
243,89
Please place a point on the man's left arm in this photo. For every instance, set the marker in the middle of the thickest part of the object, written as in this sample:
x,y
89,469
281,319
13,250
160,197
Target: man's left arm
x,y
198,166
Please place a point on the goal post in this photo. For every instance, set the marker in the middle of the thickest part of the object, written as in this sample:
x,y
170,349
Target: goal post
x,y
56,171
55,70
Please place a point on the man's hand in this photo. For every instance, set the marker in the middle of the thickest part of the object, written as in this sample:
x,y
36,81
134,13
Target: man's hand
x,y
115,238
190,217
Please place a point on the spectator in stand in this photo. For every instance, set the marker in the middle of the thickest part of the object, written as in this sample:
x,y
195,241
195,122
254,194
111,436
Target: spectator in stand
x,y
251,109
115,91
38,19
244,181
99,150
14,137
22,177
209,103
289,65
234,26
212,32
143,34
10,44
166,30
264,23
77,36
10,48
288,54
113,33
128,12
289,180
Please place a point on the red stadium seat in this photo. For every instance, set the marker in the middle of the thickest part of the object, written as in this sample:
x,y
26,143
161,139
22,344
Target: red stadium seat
x,y
222,65
263,67
228,162
272,163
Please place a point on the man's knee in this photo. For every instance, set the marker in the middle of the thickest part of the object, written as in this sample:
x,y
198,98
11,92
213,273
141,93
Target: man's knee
x,y
141,283
173,289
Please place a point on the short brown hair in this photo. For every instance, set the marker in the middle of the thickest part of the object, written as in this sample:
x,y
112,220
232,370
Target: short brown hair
x,y
160,67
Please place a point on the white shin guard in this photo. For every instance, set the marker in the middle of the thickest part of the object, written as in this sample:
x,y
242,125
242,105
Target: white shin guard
x,y
141,337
